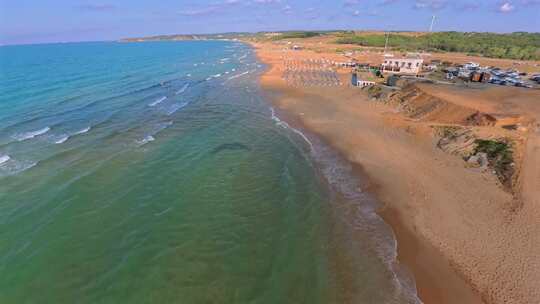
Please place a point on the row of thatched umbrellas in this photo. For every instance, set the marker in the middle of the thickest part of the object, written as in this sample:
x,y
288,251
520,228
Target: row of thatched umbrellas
x,y
310,72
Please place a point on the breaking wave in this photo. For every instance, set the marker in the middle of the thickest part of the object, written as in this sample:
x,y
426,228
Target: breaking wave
x,y
85,130
13,167
31,134
158,101
341,178
63,139
285,125
151,136
175,107
145,140
4,159
183,89
239,75
339,174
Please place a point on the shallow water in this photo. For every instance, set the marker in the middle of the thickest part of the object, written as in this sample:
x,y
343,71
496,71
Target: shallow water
x,y
156,173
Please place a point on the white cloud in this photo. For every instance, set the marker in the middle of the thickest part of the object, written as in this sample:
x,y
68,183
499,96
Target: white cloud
x,y
287,9
430,4
506,7
267,1
199,12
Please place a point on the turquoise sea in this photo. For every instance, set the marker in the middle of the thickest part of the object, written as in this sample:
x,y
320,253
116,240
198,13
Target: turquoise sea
x,y
157,173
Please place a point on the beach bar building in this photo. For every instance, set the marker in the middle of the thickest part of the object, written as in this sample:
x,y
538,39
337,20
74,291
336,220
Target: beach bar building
x,y
408,66
357,82
364,83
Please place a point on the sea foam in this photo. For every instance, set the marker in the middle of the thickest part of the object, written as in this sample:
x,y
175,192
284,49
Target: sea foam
x,y
61,140
145,140
31,134
12,167
163,212
155,130
175,107
183,89
285,125
239,75
64,137
82,131
4,159
158,101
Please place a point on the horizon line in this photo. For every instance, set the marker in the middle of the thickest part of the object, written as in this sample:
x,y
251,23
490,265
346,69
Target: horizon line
x,y
257,32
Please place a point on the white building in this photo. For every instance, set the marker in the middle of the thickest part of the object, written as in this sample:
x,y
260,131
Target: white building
x,y
402,65
364,83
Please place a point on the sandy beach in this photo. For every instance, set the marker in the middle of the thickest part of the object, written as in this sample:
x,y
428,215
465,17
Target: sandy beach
x,y
465,236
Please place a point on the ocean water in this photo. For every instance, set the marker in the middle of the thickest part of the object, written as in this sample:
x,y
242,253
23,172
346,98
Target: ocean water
x,y
157,173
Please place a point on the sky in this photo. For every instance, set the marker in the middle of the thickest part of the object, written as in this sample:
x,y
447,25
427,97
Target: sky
x,y
39,21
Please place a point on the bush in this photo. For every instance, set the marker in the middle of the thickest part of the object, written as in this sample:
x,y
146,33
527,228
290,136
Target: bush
x,y
292,35
500,156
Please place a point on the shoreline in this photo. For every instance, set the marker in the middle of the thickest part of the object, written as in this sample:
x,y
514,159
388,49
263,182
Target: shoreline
x,y
435,279
360,179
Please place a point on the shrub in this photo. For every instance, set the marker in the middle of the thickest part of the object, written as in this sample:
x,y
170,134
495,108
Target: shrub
x,y
500,156
292,35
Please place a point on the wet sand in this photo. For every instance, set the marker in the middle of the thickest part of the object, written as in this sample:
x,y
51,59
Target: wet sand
x,y
464,237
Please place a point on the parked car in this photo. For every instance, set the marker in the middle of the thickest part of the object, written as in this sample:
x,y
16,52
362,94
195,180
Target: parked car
x,y
497,80
513,74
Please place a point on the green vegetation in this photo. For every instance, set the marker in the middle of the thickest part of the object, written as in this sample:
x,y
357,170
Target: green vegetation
x,y
500,156
292,35
520,45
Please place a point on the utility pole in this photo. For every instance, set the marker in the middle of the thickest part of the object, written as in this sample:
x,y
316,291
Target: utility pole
x,y
386,43
432,22
430,31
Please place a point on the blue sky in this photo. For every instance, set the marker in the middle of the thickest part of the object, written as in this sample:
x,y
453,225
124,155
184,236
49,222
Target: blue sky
x,y
37,21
